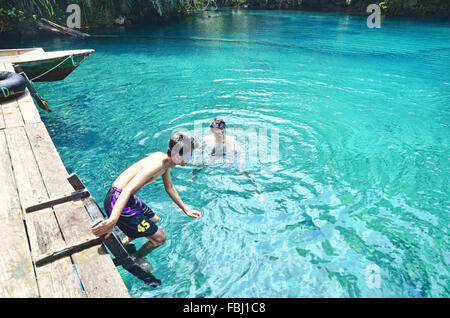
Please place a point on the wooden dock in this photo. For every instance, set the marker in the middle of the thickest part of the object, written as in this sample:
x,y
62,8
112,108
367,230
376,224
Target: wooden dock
x,y
31,171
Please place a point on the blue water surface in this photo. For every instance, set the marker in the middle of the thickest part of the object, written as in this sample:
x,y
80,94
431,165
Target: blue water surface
x,y
356,204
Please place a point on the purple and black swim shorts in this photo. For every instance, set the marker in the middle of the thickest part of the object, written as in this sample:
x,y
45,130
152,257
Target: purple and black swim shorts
x,y
134,220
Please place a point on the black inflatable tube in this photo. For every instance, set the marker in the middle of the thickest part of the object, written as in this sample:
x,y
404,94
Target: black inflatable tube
x,y
11,84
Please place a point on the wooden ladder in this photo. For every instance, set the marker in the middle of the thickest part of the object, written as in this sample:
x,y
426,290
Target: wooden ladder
x,y
138,267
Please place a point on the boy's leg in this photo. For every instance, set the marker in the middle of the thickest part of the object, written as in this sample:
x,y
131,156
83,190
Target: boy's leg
x,y
141,224
154,241
127,240
155,218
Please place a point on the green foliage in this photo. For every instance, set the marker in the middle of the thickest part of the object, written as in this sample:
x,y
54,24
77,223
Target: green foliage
x,y
15,14
9,18
417,7
389,7
94,12
40,7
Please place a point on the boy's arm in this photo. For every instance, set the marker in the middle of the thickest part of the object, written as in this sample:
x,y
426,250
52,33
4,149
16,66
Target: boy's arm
x,y
132,187
173,194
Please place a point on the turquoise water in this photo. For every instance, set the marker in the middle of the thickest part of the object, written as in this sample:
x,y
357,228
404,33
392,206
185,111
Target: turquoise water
x,y
359,205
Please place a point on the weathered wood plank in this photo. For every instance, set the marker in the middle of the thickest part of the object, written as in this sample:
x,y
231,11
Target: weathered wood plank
x,y
57,279
17,277
2,121
76,195
8,67
11,113
10,108
67,251
29,111
74,221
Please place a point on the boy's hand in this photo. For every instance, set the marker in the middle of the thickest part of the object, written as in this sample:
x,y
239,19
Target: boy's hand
x,y
103,228
193,213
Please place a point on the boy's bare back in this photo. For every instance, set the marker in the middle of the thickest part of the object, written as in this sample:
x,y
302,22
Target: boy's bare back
x,y
153,163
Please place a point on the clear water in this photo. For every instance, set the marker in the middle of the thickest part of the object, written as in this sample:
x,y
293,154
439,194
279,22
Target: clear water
x,y
364,123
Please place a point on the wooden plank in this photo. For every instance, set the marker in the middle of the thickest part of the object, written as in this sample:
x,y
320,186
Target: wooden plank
x,y
67,251
10,108
2,121
74,221
11,113
17,277
57,200
9,204
28,109
8,67
58,279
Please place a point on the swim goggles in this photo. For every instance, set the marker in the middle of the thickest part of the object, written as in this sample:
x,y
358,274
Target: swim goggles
x,y
183,155
222,124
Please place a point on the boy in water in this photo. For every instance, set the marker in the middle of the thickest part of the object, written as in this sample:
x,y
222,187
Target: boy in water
x,y
126,210
221,146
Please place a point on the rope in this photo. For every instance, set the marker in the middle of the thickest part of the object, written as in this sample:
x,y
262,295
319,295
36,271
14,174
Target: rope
x,y
69,57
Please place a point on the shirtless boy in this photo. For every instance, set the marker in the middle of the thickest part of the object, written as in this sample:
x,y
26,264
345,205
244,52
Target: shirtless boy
x,y
128,212
220,145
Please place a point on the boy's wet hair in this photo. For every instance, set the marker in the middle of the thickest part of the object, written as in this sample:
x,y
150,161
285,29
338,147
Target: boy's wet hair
x,y
217,122
181,143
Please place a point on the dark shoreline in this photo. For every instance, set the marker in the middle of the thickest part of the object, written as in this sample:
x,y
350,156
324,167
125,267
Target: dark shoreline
x,y
330,8
444,16
30,31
